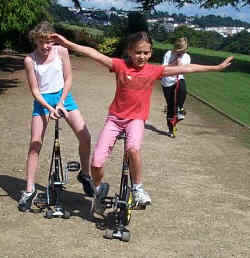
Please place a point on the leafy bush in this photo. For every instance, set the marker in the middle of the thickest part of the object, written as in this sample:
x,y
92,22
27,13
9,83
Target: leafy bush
x,y
79,35
109,46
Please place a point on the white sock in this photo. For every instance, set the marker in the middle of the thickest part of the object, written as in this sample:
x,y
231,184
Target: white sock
x,y
98,187
136,186
33,189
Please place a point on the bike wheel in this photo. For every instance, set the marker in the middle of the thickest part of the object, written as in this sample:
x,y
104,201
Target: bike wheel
x,y
108,234
66,214
49,214
125,236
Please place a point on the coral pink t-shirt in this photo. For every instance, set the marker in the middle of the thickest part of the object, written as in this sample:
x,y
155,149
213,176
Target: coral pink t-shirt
x,y
133,89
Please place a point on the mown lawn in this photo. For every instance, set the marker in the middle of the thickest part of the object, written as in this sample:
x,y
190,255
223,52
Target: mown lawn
x,y
228,90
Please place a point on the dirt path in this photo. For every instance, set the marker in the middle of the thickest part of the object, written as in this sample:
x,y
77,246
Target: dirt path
x,y
199,182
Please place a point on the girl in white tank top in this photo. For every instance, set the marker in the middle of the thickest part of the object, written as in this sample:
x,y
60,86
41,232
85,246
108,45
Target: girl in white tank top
x,y
48,71
50,75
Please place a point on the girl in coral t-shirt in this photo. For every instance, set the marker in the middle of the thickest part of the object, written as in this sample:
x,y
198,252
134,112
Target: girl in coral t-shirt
x,y
128,111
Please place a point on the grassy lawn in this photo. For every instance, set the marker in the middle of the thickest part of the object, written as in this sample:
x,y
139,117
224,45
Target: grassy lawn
x,y
229,90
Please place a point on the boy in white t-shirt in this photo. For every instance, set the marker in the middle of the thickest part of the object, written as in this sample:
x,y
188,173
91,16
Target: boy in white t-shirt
x,y
177,56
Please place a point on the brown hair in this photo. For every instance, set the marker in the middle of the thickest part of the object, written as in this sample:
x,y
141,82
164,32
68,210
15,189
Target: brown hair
x,y
136,37
180,45
42,30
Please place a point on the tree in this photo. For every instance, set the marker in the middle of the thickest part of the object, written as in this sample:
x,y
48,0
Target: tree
x,y
150,4
16,19
19,14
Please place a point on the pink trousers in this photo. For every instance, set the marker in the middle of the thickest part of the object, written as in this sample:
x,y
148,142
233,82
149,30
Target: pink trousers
x,y
113,126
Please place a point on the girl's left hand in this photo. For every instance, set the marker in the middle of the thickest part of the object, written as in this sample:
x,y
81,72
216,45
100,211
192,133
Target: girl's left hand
x,y
227,62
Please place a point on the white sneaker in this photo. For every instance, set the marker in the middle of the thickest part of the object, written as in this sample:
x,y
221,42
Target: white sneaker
x,y
180,114
141,197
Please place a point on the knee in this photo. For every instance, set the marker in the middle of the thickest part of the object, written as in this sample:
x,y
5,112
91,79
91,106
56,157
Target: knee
x,y
133,152
99,157
35,147
97,162
85,137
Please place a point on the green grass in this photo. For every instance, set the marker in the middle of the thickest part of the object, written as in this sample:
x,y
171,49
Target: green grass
x,y
92,31
204,52
229,90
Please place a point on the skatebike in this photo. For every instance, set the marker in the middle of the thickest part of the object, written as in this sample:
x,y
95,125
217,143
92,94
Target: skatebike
x,y
172,123
122,204
51,200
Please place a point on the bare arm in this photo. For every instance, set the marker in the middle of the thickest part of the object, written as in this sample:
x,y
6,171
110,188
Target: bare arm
x,y
30,73
88,51
192,68
67,73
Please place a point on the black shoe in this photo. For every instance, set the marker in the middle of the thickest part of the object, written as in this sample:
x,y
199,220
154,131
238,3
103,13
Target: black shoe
x,y
99,206
26,201
170,134
171,128
87,184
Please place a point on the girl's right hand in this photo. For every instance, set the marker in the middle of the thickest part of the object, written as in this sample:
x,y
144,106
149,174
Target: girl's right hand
x,y
54,114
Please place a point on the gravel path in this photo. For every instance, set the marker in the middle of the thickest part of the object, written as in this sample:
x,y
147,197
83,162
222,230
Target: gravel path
x,y
199,182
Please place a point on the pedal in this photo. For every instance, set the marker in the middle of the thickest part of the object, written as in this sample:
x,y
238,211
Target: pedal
x,y
139,207
41,201
73,166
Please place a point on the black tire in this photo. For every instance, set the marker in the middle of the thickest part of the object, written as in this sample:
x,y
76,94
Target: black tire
x,y
49,214
66,214
125,236
108,234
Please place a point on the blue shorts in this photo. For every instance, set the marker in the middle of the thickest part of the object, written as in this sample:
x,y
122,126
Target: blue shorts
x,y
52,99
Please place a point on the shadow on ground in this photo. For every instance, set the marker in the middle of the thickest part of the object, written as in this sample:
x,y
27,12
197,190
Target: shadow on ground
x,y
8,65
11,63
154,129
76,203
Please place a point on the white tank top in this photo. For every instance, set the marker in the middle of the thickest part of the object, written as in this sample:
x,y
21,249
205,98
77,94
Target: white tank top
x,y
49,76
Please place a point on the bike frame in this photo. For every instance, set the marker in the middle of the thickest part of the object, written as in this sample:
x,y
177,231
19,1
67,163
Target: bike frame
x,y
56,176
122,203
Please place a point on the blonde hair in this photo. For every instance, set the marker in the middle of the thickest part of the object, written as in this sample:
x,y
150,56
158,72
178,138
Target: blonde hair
x,y
41,31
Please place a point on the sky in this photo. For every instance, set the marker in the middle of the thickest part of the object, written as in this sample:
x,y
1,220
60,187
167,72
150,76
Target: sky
x,y
189,10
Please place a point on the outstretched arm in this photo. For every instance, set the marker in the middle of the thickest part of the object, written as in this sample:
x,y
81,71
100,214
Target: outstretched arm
x,y
192,68
88,51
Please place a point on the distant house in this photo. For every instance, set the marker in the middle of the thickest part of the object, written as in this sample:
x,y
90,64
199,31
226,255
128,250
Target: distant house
x,y
225,31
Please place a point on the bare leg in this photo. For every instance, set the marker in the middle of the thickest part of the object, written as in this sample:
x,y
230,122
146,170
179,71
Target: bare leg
x,y
38,127
135,165
76,122
97,175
